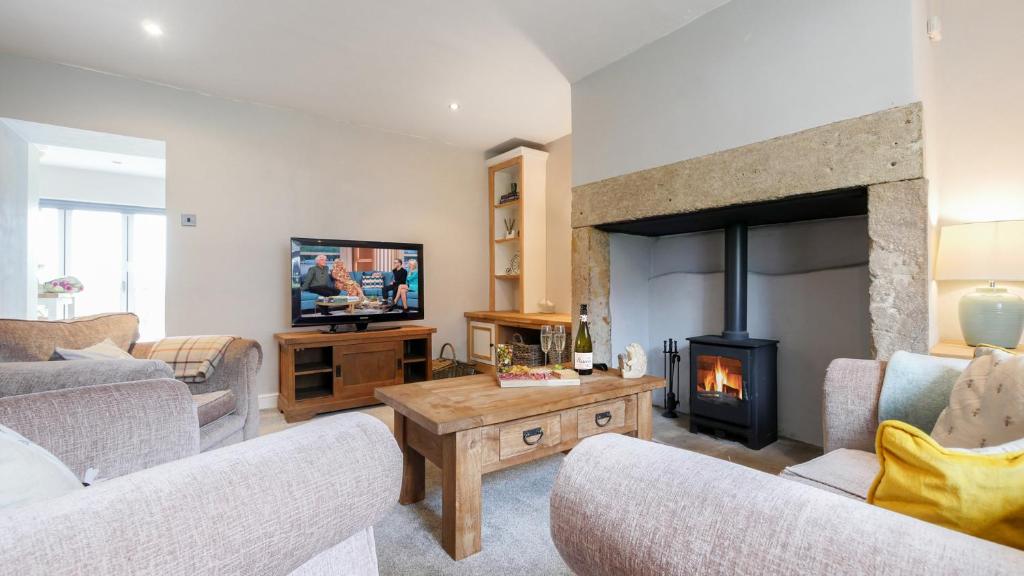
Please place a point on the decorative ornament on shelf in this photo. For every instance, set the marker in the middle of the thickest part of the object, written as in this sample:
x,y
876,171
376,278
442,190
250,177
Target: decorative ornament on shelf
x,y
510,228
546,306
986,251
513,266
634,362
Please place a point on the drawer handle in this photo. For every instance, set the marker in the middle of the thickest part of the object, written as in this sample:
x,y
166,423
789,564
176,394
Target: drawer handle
x,y
527,434
602,418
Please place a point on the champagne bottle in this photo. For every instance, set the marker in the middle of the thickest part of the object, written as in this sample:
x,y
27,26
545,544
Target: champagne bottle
x,y
583,350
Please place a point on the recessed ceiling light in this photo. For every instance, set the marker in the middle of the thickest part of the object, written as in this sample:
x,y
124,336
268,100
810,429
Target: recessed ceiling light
x,y
152,28
454,106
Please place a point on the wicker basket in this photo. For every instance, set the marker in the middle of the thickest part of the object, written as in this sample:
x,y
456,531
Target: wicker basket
x,y
563,358
526,354
451,367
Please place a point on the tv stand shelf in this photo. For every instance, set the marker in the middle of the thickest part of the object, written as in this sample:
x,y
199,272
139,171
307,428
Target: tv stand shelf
x,y
323,372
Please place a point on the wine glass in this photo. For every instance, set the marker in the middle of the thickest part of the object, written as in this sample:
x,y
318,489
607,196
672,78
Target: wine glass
x,y
558,340
545,341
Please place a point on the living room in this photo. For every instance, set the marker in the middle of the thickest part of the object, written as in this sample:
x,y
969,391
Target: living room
x,y
795,226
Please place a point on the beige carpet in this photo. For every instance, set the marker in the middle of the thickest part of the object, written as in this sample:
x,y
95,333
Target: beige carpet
x,y
515,506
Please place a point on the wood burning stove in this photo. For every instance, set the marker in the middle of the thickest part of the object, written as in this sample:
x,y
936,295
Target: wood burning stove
x,y
732,376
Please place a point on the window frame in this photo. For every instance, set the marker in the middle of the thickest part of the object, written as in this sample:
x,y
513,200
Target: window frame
x,y
127,223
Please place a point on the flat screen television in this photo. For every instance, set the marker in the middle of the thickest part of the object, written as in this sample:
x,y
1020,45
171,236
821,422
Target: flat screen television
x,y
350,283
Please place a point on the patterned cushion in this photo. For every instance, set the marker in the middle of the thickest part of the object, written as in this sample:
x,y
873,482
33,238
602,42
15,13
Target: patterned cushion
x,y
36,340
986,407
213,405
193,358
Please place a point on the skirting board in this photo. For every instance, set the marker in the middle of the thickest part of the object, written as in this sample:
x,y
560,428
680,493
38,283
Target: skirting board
x,y
268,401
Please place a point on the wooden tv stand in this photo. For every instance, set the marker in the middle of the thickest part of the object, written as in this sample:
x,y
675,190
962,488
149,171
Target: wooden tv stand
x,y
322,372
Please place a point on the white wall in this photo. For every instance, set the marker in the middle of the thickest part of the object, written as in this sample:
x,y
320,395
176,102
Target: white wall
x,y
19,198
256,175
977,122
62,183
807,287
14,208
559,232
745,72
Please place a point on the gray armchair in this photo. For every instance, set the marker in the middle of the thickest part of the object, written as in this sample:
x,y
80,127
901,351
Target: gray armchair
x,y
302,501
237,374
226,404
717,518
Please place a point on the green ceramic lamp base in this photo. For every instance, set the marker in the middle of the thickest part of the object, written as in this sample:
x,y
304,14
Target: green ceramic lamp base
x,y
992,315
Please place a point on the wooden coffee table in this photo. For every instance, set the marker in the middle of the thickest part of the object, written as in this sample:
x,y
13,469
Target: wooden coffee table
x,y
471,426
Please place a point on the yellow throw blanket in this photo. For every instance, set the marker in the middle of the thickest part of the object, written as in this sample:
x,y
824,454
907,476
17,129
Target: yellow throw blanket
x,y
193,358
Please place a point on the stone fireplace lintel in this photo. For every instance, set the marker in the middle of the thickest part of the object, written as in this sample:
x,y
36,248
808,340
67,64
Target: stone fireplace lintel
x,y
881,151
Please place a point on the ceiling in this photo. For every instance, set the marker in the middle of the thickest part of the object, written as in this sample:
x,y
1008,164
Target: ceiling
x,y
83,159
394,65
89,150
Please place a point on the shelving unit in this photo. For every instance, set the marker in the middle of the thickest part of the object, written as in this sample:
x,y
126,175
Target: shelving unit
x,y
521,290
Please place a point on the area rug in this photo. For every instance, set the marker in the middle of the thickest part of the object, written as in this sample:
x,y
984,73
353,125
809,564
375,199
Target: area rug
x,y
515,531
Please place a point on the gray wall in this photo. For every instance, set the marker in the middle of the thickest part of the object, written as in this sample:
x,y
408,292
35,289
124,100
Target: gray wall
x,y
745,72
808,288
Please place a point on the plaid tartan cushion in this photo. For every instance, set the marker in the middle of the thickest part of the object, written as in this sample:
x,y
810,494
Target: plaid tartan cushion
x,y
193,358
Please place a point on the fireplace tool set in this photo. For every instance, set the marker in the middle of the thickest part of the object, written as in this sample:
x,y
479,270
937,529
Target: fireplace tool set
x,y
670,350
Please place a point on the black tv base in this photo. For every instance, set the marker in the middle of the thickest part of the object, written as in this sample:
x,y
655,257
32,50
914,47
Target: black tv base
x,y
357,327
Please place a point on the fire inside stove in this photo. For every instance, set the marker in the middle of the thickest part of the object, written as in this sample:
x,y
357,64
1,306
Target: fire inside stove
x,y
719,377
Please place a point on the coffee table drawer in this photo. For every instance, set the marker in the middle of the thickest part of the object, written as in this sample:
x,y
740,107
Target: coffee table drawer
x,y
522,436
598,418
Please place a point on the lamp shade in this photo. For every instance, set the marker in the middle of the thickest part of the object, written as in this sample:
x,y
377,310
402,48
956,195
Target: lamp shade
x,y
982,251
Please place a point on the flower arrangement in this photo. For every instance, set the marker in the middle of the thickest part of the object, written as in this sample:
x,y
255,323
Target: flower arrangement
x,y
65,285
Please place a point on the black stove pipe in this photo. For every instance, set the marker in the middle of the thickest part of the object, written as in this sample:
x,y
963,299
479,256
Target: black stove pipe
x,y
735,282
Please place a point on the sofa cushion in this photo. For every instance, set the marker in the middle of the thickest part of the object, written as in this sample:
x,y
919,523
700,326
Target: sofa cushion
x,y
36,340
845,472
29,473
103,351
981,494
213,405
986,407
916,388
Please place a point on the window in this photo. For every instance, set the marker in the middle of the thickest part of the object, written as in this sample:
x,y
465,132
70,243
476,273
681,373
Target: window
x,y
118,252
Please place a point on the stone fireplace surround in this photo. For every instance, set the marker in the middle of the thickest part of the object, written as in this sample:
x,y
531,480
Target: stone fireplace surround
x,y
881,152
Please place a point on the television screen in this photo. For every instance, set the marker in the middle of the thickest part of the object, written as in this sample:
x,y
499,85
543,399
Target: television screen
x,y
352,282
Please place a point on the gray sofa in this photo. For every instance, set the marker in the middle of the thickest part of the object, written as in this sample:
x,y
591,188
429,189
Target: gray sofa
x,y
624,506
302,501
226,404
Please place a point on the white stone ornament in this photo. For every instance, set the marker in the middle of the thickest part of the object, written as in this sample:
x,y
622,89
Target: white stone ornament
x,y
634,362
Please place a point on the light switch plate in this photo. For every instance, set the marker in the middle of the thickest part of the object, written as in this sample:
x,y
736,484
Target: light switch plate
x,y
188,219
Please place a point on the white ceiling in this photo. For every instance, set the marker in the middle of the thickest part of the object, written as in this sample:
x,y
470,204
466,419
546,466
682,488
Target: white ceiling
x,y
98,160
392,64
89,150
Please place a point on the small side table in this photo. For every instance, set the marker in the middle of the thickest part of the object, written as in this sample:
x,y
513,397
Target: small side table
x,y
949,349
59,305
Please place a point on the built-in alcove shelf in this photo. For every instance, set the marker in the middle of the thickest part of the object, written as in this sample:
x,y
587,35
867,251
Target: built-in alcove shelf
x,y
520,173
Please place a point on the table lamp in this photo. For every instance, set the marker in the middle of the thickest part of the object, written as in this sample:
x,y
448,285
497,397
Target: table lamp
x,y
986,251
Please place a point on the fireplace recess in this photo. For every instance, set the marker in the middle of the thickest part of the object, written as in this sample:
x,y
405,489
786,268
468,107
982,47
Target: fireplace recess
x,y
733,388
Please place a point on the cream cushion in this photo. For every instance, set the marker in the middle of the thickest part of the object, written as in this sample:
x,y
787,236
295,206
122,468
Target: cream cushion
x,y
986,406
28,473
845,472
100,351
